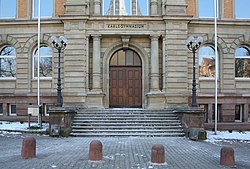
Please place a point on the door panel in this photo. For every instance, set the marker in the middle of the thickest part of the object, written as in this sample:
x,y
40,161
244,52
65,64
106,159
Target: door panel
x,y
125,86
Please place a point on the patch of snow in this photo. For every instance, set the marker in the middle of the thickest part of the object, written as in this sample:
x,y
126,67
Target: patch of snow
x,y
18,126
226,136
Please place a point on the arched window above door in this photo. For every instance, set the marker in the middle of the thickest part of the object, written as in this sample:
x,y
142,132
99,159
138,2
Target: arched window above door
x,y
125,58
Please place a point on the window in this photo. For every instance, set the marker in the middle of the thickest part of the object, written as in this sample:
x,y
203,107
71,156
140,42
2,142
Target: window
x,y
45,62
46,8
1,108
242,62
239,111
206,8
242,8
205,107
12,109
7,8
206,62
125,7
218,112
8,62
248,113
125,58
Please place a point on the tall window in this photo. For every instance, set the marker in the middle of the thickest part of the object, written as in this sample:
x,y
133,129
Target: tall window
x,y
242,8
239,111
7,8
8,62
242,62
46,7
206,62
45,62
125,7
206,8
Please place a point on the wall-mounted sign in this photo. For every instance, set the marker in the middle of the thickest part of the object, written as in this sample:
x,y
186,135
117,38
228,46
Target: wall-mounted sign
x,y
125,26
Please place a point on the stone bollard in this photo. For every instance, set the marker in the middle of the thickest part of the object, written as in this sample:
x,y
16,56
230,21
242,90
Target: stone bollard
x,y
95,150
227,156
29,148
158,154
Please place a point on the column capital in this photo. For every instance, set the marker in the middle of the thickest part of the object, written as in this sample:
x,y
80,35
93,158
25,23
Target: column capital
x,y
96,36
154,37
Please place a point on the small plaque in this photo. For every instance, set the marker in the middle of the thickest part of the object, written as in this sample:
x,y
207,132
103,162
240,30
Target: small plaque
x,y
34,111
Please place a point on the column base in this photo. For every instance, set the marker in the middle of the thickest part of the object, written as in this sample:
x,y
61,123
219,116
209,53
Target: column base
x,y
95,100
155,100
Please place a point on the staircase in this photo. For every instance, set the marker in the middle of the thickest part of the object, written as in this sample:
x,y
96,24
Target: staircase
x,y
126,122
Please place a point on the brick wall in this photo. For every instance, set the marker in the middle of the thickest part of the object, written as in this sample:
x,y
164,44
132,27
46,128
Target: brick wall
x,y
22,7
228,9
191,9
60,7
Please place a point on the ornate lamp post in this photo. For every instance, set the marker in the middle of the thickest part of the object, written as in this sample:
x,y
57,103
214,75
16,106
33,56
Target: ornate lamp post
x,y
60,44
193,45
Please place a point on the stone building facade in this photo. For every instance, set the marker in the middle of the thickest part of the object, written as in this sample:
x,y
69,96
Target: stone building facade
x,y
132,58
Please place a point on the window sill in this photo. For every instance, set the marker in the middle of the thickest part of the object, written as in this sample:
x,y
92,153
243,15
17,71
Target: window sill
x,y
242,79
7,78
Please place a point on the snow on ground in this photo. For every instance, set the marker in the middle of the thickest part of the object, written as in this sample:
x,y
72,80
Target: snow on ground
x,y
211,137
19,127
243,136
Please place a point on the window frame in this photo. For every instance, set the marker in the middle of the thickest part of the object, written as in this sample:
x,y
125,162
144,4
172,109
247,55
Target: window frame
x,y
241,113
10,110
241,57
52,9
1,108
10,17
42,56
206,56
130,12
206,17
8,56
239,10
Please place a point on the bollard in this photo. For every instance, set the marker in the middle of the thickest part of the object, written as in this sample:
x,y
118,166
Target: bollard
x,y
95,150
29,148
158,154
227,156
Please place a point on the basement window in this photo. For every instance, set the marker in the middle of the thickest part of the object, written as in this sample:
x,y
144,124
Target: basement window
x,y
1,108
249,113
205,107
12,109
239,110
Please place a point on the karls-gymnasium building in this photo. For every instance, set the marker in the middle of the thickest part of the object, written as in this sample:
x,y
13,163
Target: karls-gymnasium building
x,y
126,54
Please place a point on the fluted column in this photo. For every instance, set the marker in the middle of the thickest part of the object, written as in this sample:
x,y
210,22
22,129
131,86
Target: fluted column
x,y
97,7
96,63
154,63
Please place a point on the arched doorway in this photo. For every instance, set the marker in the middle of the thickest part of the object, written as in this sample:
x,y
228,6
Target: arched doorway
x,y
125,79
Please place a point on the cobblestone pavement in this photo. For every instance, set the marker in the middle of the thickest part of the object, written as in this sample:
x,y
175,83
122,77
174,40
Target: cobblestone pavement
x,y
118,153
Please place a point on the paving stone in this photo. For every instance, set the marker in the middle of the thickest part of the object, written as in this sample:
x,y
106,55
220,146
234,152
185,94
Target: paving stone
x,y
119,153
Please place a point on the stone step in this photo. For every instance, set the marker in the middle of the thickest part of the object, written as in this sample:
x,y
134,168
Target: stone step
x,y
126,122
126,118
126,130
127,127
145,134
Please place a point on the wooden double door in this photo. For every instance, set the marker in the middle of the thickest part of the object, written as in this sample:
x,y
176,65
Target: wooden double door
x,y
125,86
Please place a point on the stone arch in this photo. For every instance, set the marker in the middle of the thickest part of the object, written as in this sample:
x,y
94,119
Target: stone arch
x,y
32,42
145,67
8,39
209,39
239,41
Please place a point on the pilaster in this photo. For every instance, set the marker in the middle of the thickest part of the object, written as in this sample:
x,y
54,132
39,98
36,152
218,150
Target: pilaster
x,y
97,7
96,63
